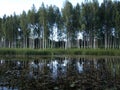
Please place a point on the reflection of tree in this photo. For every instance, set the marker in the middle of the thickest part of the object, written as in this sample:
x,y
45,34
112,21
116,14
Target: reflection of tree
x,y
13,71
77,73
114,69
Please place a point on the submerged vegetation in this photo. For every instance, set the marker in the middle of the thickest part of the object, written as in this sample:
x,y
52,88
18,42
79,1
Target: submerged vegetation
x,y
41,52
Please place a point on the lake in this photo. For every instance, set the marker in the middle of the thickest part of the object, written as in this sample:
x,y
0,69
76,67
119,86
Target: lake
x,y
60,73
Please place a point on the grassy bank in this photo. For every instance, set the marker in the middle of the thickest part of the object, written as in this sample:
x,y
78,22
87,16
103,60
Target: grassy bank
x,y
97,52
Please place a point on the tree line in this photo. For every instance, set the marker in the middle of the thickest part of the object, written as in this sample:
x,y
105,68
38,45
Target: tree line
x,y
98,24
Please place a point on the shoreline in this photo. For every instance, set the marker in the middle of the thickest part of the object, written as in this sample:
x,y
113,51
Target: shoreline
x,y
58,52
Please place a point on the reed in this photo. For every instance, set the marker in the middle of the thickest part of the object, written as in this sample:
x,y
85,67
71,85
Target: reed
x,y
75,51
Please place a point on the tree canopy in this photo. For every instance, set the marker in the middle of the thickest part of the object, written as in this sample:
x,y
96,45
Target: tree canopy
x,y
98,24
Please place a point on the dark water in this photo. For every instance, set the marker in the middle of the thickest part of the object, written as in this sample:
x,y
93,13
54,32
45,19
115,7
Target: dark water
x,y
60,74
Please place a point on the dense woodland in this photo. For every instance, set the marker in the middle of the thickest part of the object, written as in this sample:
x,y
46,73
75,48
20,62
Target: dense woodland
x,y
99,25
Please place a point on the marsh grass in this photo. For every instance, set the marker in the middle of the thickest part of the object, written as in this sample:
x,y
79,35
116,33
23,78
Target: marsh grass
x,y
75,51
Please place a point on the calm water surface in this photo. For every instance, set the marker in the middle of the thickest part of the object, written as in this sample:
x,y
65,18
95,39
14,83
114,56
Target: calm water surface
x,y
60,74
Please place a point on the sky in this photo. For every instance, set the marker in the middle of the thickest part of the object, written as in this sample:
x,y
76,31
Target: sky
x,y
8,7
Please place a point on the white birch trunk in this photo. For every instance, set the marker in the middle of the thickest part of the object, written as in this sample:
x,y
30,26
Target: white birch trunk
x,y
78,45
94,46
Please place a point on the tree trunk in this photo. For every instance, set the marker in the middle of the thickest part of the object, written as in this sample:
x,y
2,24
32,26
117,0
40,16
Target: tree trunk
x,y
24,42
108,42
118,43
33,43
0,43
15,43
78,43
4,43
105,40
40,46
9,44
94,44
65,44
84,41
43,40
45,43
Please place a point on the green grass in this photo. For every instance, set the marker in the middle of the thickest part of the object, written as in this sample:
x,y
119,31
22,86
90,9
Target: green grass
x,y
75,51
13,51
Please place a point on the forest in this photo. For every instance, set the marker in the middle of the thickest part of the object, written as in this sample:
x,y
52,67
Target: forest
x,y
98,24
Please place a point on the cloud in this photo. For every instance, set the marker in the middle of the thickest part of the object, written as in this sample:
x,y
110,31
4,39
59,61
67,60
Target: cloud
x,y
8,7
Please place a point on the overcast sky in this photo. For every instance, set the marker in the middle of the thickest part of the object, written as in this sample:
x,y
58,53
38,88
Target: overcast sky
x,y
8,7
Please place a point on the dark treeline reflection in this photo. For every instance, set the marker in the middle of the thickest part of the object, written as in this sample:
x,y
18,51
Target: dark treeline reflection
x,y
60,74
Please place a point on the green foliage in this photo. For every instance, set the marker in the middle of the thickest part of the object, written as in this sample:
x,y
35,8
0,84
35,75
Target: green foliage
x,y
99,24
23,23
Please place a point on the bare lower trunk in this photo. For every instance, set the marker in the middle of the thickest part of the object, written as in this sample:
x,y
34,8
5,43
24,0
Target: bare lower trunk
x,y
15,43
65,44
45,43
4,43
83,42
40,43
26,42
119,43
105,41
108,42
69,43
33,43
94,44
90,41
78,45
9,44
0,44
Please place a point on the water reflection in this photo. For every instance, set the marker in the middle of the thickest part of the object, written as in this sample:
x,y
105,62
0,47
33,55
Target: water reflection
x,y
60,74
79,66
